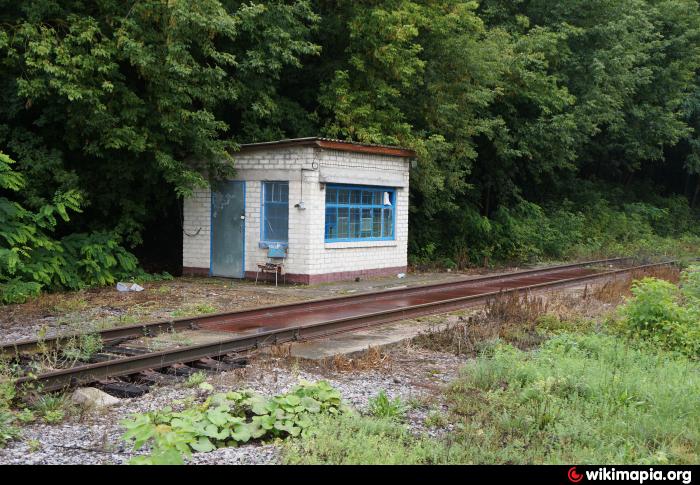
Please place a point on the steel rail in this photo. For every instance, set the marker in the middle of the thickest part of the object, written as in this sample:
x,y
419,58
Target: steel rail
x,y
184,323
59,379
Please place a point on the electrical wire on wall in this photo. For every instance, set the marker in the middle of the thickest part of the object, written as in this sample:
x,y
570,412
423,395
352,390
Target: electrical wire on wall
x,y
314,168
182,223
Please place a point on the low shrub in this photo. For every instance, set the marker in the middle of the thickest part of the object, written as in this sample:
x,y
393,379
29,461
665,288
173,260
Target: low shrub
x,y
594,223
664,314
53,408
382,406
228,419
690,284
8,430
32,259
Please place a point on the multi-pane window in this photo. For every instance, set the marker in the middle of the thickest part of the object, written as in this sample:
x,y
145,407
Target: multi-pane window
x,y
275,212
359,213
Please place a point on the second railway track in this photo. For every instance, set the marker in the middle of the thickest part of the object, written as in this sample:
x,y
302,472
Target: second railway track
x,y
229,333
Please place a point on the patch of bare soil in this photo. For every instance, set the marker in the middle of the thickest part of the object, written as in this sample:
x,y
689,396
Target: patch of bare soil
x,y
87,310
104,307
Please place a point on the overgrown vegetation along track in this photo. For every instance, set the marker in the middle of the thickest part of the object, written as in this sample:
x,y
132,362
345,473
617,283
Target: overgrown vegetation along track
x,y
303,321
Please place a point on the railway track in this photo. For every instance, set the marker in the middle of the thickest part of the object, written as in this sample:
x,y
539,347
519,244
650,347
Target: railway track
x,y
213,341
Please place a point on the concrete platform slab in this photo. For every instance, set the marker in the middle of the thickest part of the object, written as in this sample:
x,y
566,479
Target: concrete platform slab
x,y
165,341
360,340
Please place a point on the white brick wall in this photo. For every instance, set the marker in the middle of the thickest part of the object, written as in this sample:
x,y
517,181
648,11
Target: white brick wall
x,y
196,229
308,253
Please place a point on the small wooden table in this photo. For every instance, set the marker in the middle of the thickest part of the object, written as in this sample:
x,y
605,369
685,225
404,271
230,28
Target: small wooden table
x,y
276,268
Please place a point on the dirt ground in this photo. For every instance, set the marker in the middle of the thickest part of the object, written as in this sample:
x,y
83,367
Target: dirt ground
x,y
97,308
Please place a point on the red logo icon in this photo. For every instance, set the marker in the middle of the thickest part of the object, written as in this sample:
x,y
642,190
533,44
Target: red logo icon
x,y
574,477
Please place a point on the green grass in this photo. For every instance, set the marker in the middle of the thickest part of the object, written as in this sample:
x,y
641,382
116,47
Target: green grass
x,y
582,399
192,310
84,347
8,424
8,430
355,439
382,407
578,399
52,408
196,379
70,305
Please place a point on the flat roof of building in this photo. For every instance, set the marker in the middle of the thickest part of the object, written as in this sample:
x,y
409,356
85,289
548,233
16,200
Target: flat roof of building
x,y
331,144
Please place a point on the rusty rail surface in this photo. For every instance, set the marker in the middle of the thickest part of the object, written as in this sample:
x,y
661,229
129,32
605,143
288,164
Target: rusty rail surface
x,y
156,327
255,338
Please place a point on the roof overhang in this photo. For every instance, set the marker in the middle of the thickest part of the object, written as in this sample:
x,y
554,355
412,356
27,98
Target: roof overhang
x,y
328,144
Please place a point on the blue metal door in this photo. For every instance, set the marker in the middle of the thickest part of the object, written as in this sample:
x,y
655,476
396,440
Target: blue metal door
x,y
228,229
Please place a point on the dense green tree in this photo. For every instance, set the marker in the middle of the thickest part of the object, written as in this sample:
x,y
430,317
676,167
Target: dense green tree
x,y
479,105
690,148
128,102
509,100
124,106
629,64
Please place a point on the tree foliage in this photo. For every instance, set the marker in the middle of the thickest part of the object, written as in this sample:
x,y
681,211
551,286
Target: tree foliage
x,y
32,259
125,101
510,101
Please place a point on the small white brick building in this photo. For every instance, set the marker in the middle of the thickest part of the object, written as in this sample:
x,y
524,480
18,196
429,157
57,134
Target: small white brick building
x,y
328,210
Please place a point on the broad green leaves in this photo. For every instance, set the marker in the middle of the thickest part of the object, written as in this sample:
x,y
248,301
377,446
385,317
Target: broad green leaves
x,y
310,404
30,259
227,420
664,314
9,179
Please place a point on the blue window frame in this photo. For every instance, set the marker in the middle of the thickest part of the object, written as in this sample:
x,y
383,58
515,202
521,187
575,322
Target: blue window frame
x,y
359,213
275,212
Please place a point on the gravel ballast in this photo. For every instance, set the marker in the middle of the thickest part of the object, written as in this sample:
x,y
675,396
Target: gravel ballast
x,y
414,375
